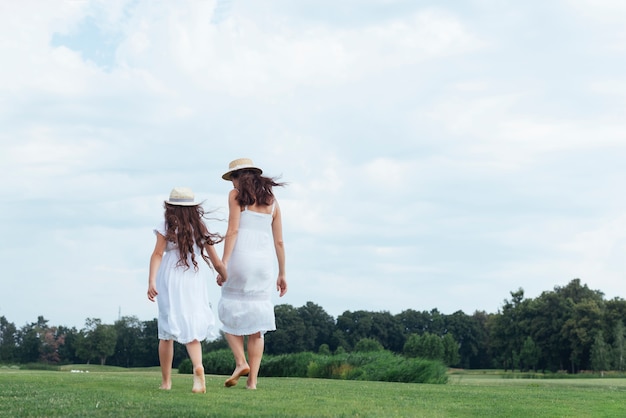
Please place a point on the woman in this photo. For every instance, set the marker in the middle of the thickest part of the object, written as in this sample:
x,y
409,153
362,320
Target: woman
x,y
176,276
253,243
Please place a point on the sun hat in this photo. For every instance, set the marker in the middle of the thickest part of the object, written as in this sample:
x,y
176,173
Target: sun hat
x,y
181,196
240,164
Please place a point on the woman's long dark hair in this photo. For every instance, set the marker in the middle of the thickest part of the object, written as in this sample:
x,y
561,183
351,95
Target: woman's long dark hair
x,y
254,188
184,226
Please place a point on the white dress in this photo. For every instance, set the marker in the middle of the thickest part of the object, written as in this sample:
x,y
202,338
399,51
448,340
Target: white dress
x,y
246,307
184,309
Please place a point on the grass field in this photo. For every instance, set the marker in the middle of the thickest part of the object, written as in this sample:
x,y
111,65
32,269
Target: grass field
x,y
109,391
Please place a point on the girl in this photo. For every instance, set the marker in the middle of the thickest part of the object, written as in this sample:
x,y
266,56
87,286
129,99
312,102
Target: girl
x,y
179,281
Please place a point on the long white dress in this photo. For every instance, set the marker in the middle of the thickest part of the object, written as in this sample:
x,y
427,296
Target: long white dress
x,y
184,309
246,307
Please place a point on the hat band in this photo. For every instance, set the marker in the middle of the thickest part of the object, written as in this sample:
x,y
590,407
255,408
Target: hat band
x,y
175,199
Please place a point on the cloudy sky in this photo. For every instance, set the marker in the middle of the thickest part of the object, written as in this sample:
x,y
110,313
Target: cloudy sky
x,y
439,154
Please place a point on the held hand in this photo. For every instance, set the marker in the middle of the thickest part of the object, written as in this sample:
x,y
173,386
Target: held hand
x,y
152,292
281,285
220,280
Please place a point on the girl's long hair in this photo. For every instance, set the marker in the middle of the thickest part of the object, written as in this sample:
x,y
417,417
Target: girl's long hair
x,y
254,188
184,226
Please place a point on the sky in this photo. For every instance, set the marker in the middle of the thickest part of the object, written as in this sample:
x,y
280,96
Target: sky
x,y
438,154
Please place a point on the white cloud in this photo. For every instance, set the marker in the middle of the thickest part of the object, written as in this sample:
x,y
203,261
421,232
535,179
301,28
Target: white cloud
x,y
436,157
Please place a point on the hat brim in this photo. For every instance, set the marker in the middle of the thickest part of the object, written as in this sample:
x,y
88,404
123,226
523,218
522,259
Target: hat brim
x,y
181,203
226,175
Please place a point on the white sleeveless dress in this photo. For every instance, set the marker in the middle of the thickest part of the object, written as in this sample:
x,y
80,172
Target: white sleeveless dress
x,y
246,307
184,309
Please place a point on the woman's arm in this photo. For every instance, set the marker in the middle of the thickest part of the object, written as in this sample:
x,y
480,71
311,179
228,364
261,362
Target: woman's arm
x,y
234,214
155,262
279,246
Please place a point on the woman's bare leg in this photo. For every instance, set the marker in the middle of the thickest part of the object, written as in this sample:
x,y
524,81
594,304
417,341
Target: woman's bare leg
x,y
256,345
241,365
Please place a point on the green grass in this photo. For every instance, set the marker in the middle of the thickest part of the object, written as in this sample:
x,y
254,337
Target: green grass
x,y
108,391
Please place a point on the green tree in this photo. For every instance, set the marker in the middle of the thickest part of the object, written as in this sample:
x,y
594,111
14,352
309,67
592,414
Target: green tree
x,y
354,326
148,351
509,329
366,345
428,346
600,360
529,354
8,341
324,350
470,333
319,326
30,340
129,338
580,330
549,313
450,350
67,350
96,341
619,347
290,333
414,322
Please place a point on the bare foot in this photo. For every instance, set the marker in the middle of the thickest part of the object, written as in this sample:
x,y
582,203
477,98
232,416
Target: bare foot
x,y
198,380
165,386
251,387
234,378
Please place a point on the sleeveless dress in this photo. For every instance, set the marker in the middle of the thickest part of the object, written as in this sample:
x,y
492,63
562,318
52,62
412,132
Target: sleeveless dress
x,y
184,309
246,307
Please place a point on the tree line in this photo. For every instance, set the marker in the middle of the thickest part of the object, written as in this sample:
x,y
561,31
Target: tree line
x,y
570,328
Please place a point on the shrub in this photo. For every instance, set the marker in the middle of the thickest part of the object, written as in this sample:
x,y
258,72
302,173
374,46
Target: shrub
x,y
215,362
379,366
366,345
324,350
373,365
286,365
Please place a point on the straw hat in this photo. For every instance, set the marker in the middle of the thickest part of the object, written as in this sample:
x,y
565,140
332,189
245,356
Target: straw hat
x,y
181,196
240,164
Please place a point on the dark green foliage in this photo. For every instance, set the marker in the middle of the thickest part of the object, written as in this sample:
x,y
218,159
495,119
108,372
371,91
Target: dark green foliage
x,y
324,350
428,346
8,342
286,365
554,332
378,366
529,355
366,345
214,362
600,354
290,333
450,350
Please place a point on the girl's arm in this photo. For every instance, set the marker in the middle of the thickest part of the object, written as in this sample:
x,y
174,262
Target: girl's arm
x,y
219,266
279,246
155,262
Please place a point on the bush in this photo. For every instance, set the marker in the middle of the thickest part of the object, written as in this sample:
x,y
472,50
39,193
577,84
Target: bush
x,y
216,362
373,365
286,365
366,345
378,366
324,350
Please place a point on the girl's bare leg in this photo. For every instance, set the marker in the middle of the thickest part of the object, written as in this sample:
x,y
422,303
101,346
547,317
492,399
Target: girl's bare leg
x,y
256,345
166,356
241,365
194,349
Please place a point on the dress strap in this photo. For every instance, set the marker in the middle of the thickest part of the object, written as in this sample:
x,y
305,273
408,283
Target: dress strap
x,y
273,206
